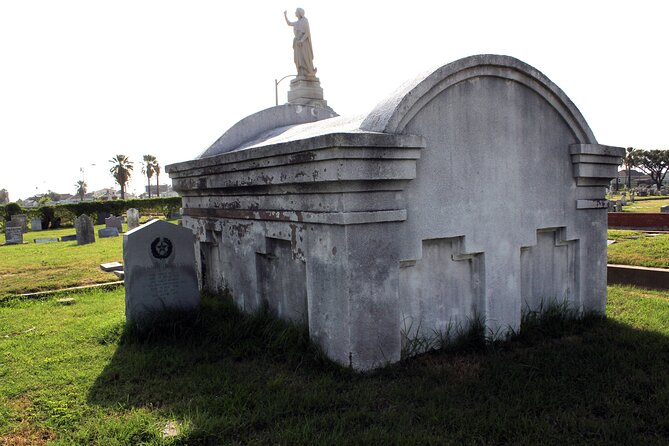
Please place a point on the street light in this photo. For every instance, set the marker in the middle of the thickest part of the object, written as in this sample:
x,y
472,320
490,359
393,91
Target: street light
x,y
276,87
83,173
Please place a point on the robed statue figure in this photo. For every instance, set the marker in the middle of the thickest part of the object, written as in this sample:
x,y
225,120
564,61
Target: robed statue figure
x,y
303,52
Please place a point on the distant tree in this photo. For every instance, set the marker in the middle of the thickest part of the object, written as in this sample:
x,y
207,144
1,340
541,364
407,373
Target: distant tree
x,y
630,161
148,167
81,189
4,196
53,196
12,209
156,168
121,171
654,163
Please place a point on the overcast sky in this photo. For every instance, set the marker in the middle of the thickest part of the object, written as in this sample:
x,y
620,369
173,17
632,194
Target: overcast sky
x,y
82,81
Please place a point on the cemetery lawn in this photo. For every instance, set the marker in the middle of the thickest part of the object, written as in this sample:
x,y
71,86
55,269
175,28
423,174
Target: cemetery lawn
x,y
70,376
639,249
652,206
50,266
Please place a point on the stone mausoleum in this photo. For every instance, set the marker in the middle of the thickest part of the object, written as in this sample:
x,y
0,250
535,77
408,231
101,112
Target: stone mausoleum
x,y
475,191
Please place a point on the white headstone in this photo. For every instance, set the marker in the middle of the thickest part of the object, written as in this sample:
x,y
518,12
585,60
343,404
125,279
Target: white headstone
x,y
36,224
159,266
133,218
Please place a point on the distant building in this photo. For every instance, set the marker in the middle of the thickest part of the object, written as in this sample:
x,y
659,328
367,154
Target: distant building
x,y
165,191
107,193
638,178
163,188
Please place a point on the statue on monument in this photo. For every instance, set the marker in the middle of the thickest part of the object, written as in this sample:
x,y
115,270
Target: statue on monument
x,y
302,49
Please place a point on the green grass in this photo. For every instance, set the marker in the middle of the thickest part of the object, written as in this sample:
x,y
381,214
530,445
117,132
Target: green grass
x,y
644,204
45,266
638,248
70,375
35,267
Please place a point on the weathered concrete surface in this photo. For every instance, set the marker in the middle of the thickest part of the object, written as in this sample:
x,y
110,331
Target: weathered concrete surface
x,y
251,127
476,191
653,278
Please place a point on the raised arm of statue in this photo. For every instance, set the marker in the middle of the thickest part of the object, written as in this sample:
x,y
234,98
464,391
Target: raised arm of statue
x,y
288,22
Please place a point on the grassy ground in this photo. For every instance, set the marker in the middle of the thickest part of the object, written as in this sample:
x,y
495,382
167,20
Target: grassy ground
x,y
644,204
69,376
44,266
638,248
37,267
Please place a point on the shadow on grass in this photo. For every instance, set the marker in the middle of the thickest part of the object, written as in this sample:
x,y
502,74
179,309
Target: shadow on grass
x,y
230,378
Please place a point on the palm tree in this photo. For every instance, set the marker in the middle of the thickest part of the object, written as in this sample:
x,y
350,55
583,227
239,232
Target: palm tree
x,y
148,167
81,189
121,171
156,168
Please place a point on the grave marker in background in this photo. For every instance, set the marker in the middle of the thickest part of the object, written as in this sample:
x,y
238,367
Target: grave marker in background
x,y
36,224
133,218
13,235
22,221
85,230
107,232
46,240
114,222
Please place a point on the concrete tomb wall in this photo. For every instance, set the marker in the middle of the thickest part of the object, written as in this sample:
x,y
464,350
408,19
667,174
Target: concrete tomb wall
x,y
474,192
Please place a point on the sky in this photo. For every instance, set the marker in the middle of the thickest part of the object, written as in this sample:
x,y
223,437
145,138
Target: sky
x,y
84,80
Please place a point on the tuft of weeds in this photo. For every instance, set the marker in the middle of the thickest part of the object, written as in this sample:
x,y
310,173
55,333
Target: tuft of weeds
x,y
455,337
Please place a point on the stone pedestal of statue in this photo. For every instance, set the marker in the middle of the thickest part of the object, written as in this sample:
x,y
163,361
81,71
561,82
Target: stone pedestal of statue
x,y
306,92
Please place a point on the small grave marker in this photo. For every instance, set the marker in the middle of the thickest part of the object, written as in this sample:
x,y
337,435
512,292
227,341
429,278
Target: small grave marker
x,y
13,235
107,232
85,230
36,224
47,240
111,266
114,222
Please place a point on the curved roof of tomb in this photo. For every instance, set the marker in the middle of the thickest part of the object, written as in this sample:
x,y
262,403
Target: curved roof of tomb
x,y
290,122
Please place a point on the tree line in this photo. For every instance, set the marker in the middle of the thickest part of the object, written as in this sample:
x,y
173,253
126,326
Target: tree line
x,y
65,213
122,169
654,163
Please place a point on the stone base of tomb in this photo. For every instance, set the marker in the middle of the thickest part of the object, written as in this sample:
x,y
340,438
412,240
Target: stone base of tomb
x,y
306,92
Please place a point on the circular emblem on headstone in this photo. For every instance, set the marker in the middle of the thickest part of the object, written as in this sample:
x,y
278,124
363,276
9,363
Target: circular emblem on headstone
x,y
161,248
